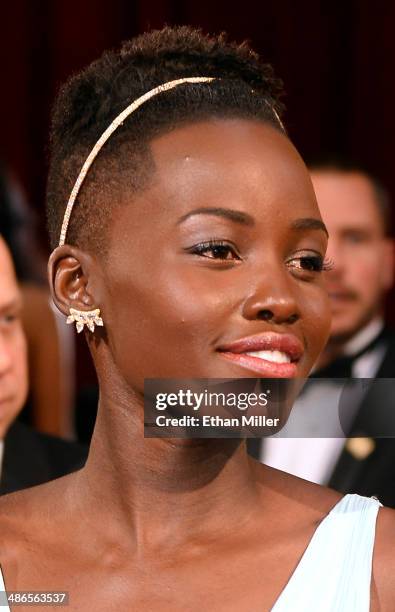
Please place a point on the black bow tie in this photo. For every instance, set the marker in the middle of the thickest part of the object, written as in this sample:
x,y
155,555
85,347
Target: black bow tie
x,y
342,367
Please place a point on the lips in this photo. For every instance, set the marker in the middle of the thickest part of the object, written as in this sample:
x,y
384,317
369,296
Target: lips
x,y
271,355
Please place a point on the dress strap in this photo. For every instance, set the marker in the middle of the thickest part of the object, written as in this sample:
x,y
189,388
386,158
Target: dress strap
x,y
4,607
334,574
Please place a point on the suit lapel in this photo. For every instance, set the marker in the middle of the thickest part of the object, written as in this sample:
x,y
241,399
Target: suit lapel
x,y
375,417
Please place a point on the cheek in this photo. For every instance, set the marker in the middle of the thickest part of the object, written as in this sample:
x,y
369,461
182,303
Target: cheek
x,y
17,381
20,361
169,324
200,299
171,301
364,269
317,320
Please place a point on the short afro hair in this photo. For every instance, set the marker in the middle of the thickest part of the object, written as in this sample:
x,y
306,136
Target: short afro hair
x,y
90,100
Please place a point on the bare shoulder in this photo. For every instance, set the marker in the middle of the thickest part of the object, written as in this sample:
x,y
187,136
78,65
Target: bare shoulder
x,y
384,558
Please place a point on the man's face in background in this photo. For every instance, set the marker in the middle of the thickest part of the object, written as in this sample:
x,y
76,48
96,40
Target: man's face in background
x,y
13,358
361,254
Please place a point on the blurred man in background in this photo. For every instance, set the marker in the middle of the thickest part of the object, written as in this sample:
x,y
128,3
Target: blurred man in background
x,y
27,458
50,403
356,210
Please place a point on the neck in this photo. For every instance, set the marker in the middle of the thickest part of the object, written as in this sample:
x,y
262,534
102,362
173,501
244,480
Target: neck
x,y
164,491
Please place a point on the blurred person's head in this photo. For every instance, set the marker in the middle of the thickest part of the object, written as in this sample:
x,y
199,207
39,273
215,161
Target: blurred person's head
x,y
13,358
356,211
18,227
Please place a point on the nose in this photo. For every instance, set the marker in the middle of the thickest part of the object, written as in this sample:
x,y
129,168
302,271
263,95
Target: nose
x,y
5,356
272,299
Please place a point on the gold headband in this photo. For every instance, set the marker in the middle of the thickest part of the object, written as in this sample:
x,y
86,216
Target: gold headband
x,y
111,129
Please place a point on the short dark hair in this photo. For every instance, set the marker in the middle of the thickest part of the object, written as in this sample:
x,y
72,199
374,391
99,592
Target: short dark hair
x,y
337,163
89,101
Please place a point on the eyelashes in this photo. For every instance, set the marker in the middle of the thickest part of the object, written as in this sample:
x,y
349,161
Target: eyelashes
x,y
226,251
328,264
311,263
216,249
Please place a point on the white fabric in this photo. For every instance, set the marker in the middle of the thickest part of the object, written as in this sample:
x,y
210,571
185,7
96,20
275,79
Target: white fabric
x,y
367,365
334,574
316,414
3,607
335,571
313,459
362,338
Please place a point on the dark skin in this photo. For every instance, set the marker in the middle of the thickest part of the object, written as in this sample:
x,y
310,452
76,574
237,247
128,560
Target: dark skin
x,y
155,524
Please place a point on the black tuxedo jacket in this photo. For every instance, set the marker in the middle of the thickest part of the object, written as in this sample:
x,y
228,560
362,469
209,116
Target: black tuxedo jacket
x,y
374,474
31,458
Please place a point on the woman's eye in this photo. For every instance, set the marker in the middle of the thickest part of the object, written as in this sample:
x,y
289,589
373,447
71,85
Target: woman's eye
x,y
8,320
215,250
311,263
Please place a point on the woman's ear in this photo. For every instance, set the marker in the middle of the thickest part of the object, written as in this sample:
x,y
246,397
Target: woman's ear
x,y
68,275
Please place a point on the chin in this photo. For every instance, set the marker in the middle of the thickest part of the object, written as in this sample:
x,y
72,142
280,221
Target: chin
x,y
346,324
342,333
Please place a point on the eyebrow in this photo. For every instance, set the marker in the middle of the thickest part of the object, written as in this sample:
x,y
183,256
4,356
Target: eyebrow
x,y
243,218
227,213
309,223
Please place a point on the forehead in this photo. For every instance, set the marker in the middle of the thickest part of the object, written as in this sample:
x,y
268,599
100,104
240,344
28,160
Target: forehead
x,y
346,199
9,290
236,156
246,165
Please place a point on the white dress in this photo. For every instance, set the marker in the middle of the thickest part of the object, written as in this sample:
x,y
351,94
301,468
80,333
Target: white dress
x,y
334,573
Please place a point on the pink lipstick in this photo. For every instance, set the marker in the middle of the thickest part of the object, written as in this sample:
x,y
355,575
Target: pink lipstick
x,y
270,355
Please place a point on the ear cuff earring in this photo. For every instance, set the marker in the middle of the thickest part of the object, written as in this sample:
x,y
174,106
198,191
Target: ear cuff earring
x,y
90,318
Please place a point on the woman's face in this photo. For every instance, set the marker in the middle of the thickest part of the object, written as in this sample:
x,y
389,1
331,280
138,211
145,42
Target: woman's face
x,y
214,270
